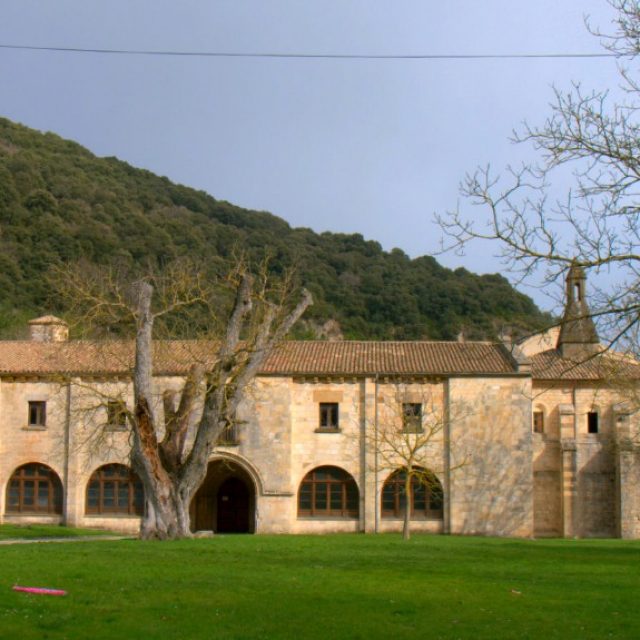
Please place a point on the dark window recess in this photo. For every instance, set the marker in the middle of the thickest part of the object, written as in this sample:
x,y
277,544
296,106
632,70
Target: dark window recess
x,y
328,492
34,488
329,416
37,414
229,434
426,497
538,422
592,422
116,414
412,417
115,489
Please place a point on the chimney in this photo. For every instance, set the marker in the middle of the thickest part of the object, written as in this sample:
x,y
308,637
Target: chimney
x,y
48,329
578,337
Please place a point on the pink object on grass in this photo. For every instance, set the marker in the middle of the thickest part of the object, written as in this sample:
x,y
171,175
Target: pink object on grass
x,y
41,591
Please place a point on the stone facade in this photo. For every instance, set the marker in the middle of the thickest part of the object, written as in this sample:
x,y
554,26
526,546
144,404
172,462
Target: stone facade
x,y
513,445
279,442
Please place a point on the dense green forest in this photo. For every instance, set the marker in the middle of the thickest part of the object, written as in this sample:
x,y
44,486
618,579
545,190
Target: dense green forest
x,y
60,203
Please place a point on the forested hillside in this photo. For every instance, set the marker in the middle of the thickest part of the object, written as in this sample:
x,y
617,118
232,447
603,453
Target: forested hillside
x,y
59,202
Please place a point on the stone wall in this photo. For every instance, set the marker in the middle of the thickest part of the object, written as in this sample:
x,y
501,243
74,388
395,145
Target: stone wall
x,y
490,436
577,466
498,477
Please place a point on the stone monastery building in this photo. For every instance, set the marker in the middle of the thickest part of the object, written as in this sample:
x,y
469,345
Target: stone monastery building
x,y
536,439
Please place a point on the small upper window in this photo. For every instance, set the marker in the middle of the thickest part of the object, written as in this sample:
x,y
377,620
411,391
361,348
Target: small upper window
x,y
538,422
329,416
412,417
116,414
37,413
229,435
592,422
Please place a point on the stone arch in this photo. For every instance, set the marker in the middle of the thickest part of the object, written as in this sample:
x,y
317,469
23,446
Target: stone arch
x,y
226,501
328,463
246,465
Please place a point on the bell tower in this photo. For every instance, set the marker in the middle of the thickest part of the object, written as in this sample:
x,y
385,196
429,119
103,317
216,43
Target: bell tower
x,y
578,335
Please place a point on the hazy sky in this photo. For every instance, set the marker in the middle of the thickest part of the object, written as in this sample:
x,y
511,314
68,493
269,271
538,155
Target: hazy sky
x,y
368,146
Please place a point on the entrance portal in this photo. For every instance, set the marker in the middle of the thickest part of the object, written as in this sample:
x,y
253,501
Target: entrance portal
x,y
226,501
233,506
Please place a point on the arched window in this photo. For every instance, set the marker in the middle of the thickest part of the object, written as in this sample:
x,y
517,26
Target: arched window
x,y
115,488
427,497
328,492
34,488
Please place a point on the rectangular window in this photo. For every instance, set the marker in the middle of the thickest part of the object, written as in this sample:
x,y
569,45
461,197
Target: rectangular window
x,y
412,417
116,414
538,422
329,416
37,413
592,422
229,435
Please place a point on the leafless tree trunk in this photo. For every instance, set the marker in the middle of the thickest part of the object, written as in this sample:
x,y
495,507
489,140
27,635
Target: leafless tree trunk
x,y
408,495
170,471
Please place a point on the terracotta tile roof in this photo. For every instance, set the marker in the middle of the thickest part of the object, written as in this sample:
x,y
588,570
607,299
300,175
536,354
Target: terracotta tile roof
x,y
353,358
291,358
82,356
47,320
549,365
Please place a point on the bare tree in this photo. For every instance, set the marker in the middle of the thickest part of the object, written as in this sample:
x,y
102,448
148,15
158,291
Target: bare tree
x,y
250,316
409,439
596,224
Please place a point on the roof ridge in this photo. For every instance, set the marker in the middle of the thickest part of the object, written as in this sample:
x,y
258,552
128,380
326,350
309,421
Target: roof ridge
x,y
314,342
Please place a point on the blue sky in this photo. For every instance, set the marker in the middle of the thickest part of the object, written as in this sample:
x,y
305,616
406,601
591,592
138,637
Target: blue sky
x,y
368,146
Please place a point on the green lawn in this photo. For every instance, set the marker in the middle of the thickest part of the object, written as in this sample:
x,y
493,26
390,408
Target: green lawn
x,y
350,586
13,532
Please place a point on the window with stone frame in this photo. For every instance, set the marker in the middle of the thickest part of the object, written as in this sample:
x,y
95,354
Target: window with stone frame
x,y
538,421
229,435
593,422
412,417
37,413
329,417
116,414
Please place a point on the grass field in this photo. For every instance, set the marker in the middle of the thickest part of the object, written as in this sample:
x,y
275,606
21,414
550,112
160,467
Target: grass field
x,y
13,532
350,586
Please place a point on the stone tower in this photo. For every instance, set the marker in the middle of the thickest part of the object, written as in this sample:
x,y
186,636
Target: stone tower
x,y
578,336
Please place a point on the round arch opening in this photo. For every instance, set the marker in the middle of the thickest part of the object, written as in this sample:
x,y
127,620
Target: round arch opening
x,y
34,488
226,500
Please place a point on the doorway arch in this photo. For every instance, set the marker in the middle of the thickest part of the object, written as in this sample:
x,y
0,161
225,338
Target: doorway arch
x,y
226,500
